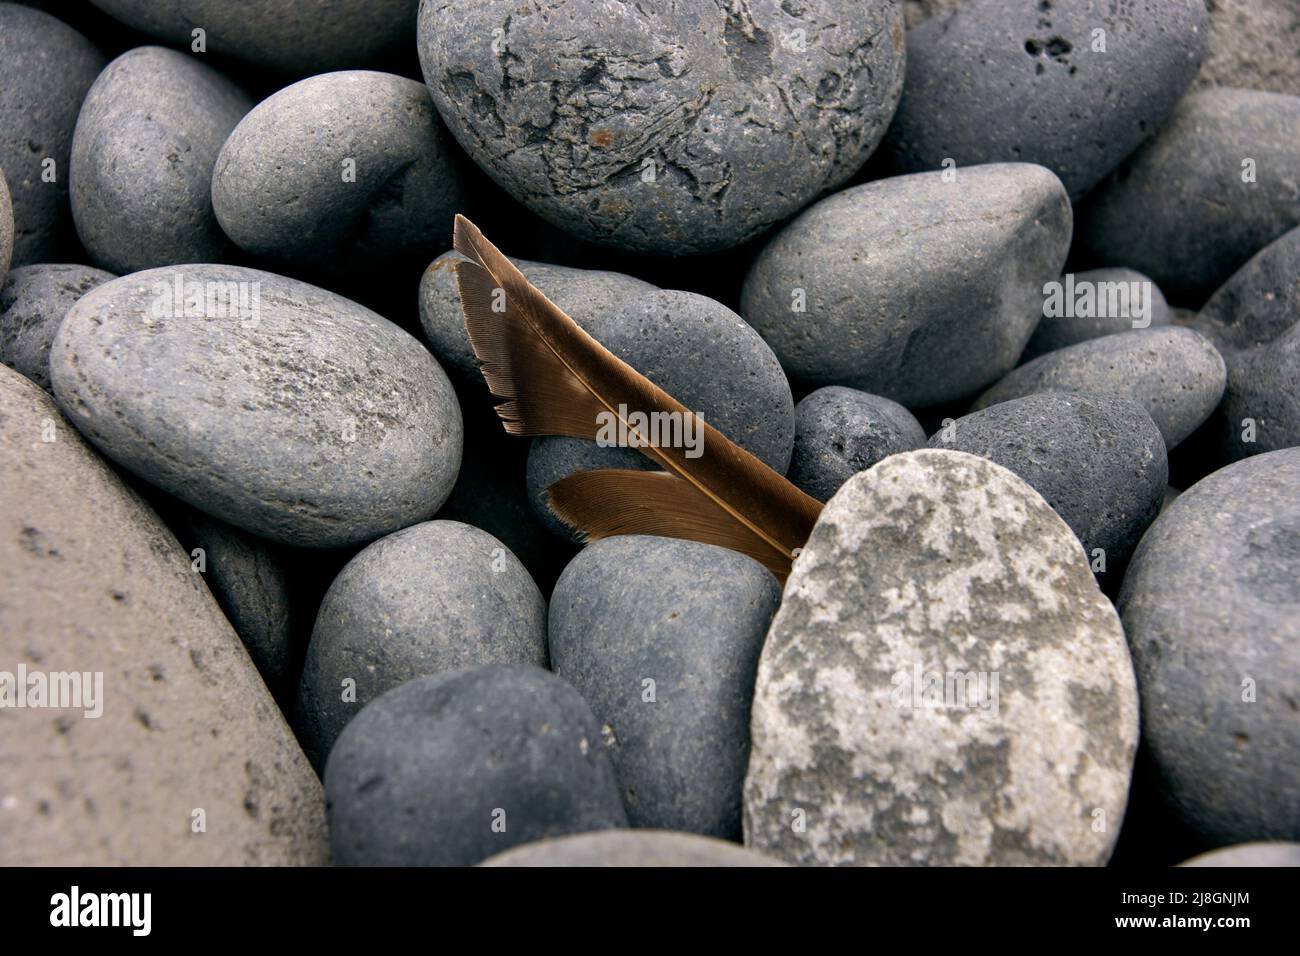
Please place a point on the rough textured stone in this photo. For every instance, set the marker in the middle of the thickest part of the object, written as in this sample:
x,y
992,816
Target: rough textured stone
x,y
6,228
46,67
1253,46
943,564
1212,611
1110,312
741,113
92,581
690,619
142,154
840,432
285,410
450,769
1250,854
638,848
1174,373
430,598
1023,81
33,301
913,287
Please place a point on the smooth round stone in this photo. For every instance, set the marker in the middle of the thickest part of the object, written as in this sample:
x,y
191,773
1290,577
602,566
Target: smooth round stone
x,y
944,684
142,154
661,637
1260,302
46,67
294,38
1212,613
340,171
664,127
450,769
273,405
1174,373
1249,854
1109,312
914,288
6,228
430,598
585,295
33,301
639,848
1098,460
1260,411
1024,81
841,431
1181,209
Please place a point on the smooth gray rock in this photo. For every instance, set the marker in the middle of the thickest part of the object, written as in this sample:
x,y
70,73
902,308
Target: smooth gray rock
x,y
46,67
661,637
450,769
6,228
941,565
430,598
1105,302
1174,373
276,406
1181,210
294,38
640,848
33,301
665,127
1024,81
915,288
142,154
340,171
1249,854
841,431
1098,460
1212,612
1259,303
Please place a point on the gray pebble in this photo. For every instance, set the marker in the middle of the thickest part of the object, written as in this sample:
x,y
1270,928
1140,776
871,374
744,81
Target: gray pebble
x,y
639,848
1105,301
450,769
840,432
33,302
664,127
1249,854
430,598
661,637
271,404
873,288
1259,303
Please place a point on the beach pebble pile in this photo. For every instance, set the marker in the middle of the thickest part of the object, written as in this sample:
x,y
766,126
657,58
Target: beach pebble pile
x,y
1012,286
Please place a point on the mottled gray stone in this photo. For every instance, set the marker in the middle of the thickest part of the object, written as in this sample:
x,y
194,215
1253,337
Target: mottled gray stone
x,y
1259,303
94,582
46,67
941,563
1253,46
1114,309
639,848
915,288
1212,611
1022,81
1098,460
1172,372
340,171
433,597
1180,209
33,301
6,228
299,416
450,769
661,637
741,113
295,38
1249,854
841,431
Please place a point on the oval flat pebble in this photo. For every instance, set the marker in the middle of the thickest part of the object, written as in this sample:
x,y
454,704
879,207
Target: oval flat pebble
x,y
430,598
271,404
944,683
640,848
1249,854
661,637
1031,81
6,229
915,288
1098,460
660,127
841,431
1212,612
341,170
1096,303
1174,373
450,769
33,302
46,67
142,156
